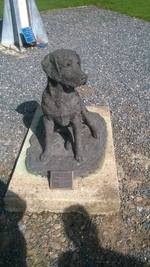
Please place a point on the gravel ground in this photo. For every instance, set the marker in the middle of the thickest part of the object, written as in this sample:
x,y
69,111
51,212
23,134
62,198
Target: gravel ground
x,y
115,53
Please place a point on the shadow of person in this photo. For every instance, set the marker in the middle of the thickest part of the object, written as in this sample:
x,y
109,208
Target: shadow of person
x,y
86,250
3,190
12,241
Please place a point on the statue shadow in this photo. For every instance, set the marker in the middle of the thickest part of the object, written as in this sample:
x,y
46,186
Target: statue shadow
x,y
86,250
12,241
27,109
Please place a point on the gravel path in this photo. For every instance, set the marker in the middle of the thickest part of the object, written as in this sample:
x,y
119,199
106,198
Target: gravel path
x,y
115,52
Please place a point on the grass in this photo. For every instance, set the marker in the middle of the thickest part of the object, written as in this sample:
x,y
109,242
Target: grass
x,y
134,8
1,8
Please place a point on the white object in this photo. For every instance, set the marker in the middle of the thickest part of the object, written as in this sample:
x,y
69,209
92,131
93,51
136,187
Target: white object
x,y
7,38
21,14
36,23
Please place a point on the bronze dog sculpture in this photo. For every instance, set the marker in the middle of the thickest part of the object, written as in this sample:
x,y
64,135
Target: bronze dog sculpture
x,y
61,103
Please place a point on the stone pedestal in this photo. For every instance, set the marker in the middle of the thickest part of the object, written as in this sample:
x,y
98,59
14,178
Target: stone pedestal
x,y
98,193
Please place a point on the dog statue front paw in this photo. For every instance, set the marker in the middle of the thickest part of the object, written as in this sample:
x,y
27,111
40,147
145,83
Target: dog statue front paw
x,y
44,156
79,157
67,145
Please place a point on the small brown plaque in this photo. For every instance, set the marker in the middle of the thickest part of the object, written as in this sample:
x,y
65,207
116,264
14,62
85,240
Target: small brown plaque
x,y
61,179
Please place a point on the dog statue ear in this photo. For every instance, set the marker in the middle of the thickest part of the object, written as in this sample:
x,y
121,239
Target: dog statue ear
x,y
46,65
78,57
51,68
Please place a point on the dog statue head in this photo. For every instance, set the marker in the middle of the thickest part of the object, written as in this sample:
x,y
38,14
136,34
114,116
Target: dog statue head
x,y
64,66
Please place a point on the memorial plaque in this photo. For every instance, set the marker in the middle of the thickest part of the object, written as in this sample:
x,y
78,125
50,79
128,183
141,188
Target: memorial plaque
x,y
61,179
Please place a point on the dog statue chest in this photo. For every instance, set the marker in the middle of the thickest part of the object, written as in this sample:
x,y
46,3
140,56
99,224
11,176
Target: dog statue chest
x,y
62,107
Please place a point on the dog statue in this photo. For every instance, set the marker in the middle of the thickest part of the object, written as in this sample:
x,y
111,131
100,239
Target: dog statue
x,y
61,104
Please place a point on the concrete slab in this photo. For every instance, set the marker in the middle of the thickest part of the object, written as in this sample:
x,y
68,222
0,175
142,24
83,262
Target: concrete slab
x,y
98,193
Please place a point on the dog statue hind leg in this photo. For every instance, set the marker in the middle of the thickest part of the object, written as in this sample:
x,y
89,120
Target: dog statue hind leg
x,y
76,126
89,122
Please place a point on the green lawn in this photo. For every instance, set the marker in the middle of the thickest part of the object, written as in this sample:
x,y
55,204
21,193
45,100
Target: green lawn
x,y
135,8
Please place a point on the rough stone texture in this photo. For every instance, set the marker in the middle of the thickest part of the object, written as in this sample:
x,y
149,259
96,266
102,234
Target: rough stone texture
x,y
98,192
114,49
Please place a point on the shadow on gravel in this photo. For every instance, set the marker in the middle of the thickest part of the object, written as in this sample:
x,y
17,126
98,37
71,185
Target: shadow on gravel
x,y
12,241
27,109
3,190
86,250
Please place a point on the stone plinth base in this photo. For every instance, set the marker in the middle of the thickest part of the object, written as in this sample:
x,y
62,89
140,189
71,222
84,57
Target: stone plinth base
x,y
98,193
